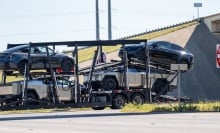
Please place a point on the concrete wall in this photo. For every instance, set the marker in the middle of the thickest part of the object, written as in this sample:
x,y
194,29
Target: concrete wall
x,y
203,82
213,22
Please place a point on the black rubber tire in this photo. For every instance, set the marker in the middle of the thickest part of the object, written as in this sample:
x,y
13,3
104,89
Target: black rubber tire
x,y
21,67
67,65
31,96
109,83
98,108
118,102
137,98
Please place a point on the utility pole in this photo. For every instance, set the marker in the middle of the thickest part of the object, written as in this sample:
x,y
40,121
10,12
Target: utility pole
x,y
109,21
99,48
97,20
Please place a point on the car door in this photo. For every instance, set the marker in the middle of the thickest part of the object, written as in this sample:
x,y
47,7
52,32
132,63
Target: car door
x,y
38,58
53,59
175,52
159,52
64,91
135,78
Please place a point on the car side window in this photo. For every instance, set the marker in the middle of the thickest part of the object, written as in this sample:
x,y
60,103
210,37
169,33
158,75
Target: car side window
x,y
62,82
24,50
164,45
43,50
154,45
50,51
175,47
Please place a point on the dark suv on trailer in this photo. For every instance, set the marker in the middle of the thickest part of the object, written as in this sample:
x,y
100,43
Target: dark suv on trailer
x,y
16,58
160,52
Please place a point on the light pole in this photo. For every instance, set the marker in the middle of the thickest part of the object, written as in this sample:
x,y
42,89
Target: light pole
x,y
99,48
109,21
97,19
197,5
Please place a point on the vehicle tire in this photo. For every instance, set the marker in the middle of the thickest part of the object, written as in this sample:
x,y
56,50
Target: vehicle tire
x,y
109,83
67,65
8,72
118,101
30,97
137,98
98,108
21,67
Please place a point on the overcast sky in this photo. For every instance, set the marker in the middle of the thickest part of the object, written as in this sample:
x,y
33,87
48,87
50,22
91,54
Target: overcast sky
x,y
23,21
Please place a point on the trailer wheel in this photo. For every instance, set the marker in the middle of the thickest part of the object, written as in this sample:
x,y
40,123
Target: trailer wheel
x,y
118,101
109,83
137,98
98,108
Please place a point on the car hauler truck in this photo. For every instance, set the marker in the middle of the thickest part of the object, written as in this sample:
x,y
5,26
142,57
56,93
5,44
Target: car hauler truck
x,y
110,84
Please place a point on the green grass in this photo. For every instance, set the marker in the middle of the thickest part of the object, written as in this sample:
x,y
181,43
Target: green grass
x,y
88,53
174,107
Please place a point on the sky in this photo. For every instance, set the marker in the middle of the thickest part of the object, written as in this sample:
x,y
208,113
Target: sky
x,y
24,21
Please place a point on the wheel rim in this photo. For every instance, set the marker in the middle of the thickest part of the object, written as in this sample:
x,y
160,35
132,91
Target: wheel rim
x,y
137,99
120,101
110,84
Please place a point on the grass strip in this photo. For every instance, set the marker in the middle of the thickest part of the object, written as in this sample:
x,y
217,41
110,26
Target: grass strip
x,y
174,107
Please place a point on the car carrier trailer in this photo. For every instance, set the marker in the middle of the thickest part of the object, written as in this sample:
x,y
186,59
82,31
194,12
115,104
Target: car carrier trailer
x,y
18,93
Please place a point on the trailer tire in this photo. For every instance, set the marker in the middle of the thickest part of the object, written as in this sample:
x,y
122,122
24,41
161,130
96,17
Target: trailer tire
x,y
98,108
118,101
137,98
109,83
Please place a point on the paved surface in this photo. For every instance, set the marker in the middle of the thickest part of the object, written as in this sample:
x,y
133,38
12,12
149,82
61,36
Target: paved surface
x,y
110,121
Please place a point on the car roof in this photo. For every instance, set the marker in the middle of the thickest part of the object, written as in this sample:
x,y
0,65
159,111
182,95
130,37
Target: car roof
x,y
16,48
142,44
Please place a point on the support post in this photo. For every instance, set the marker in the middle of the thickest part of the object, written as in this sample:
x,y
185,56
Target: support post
x,y
179,84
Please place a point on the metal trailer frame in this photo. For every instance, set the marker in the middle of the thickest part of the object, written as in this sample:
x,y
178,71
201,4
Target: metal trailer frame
x,y
91,98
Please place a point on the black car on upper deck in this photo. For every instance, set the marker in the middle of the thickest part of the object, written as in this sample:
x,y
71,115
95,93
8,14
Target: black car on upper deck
x,y
161,53
16,58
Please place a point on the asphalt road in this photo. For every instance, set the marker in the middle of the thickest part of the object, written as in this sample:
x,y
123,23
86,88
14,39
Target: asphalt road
x,y
110,121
